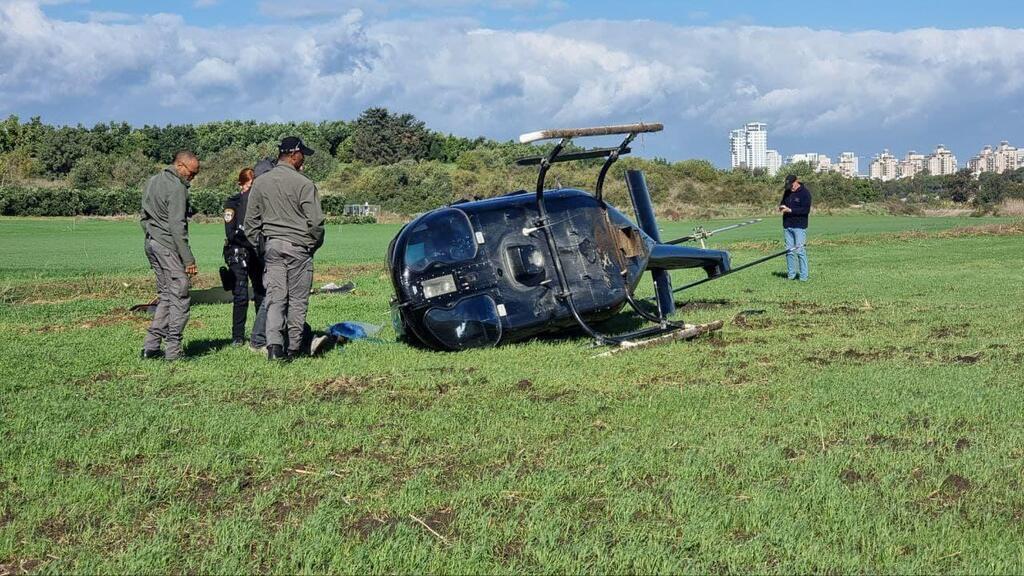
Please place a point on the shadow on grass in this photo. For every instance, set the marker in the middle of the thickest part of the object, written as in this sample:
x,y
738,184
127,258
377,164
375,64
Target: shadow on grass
x,y
204,347
782,275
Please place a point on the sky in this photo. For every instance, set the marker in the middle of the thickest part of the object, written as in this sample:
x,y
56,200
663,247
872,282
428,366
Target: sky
x,y
825,77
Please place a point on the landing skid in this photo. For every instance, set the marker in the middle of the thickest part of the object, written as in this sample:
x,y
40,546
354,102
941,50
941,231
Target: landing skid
x,y
687,332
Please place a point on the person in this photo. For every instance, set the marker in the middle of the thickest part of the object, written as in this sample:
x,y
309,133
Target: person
x,y
164,219
284,215
258,341
241,257
795,207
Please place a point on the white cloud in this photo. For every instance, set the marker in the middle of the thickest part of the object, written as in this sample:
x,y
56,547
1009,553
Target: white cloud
x,y
458,77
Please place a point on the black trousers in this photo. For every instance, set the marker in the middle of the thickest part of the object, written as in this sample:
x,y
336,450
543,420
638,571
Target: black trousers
x,y
247,268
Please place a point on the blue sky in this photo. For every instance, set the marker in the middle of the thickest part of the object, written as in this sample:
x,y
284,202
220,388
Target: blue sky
x,y
845,16
826,77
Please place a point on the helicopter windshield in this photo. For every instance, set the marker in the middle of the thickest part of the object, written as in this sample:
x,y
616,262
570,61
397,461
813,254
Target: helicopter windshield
x,y
471,323
444,237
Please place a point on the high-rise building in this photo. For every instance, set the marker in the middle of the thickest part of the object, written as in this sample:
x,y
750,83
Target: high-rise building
x,y
748,146
849,165
942,162
1006,158
1000,159
884,167
911,165
820,162
983,162
738,148
774,161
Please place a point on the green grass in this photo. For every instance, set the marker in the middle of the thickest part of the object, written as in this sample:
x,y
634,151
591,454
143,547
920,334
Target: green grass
x,y
867,421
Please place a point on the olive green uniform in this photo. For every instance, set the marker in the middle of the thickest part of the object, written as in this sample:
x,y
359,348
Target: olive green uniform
x,y
165,212
284,209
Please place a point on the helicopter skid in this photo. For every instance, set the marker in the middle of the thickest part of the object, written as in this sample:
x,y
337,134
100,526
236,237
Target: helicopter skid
x,y
687,332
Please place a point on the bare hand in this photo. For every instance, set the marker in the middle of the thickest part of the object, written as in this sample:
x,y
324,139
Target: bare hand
x,y
191,270
786,209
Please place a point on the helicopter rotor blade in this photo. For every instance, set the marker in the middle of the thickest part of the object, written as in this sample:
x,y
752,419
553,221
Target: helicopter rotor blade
x,y
596,131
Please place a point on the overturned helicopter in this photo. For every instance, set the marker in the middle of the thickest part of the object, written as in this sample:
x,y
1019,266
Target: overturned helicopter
x,y
504,269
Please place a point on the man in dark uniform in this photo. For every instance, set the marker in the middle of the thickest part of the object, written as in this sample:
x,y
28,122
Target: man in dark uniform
x,y
165,214
241,257
285,211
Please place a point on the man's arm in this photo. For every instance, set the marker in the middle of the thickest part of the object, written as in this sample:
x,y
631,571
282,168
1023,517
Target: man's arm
x,y
253,222
177,221
309,203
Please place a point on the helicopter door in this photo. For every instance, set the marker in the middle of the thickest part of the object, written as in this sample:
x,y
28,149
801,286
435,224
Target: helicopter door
x,y
472,323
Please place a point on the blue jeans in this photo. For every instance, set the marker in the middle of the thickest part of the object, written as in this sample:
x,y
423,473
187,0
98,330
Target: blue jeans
x,y
796,238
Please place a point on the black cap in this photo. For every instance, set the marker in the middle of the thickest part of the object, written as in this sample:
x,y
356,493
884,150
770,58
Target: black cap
x,y
789,180
294,144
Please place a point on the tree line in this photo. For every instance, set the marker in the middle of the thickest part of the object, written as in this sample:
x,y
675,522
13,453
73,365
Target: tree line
x,y
395,160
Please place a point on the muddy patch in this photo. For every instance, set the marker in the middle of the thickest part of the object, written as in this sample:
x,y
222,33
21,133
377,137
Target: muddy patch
x,y
368,525
962,444
524,385
968,358
878,440
13,567
953,488
345,387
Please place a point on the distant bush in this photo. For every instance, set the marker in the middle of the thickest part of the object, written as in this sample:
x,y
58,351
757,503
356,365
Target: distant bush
x,y
92,202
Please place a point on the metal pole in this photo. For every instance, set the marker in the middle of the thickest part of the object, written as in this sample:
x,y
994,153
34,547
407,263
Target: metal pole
x,y
637,185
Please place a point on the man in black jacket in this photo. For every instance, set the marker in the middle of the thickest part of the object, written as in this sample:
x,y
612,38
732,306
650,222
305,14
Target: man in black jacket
x,y
242,258
795,207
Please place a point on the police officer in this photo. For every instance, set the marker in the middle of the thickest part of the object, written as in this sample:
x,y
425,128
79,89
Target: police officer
x,y
241,257
285,216
165,213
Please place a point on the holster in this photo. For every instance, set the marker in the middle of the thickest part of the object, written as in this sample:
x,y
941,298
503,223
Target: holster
x,y
227,279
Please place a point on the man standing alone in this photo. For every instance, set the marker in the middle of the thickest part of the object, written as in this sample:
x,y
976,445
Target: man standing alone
x,y
795,207
285,216
165,213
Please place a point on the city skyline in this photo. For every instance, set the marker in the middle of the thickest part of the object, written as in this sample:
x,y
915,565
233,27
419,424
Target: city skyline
x,y
748,149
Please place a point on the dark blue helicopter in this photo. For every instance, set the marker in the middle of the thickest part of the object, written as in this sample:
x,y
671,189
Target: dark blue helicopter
x,y
505,269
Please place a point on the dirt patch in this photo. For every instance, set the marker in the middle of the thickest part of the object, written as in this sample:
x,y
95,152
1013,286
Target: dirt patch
x,y
56,529
524,385
742,535
369,525
751,321
440,521
850,476
15,566
344,387
509,551
962,444
294,504
968,358
954,487
946,332
6,518
881,440
789,453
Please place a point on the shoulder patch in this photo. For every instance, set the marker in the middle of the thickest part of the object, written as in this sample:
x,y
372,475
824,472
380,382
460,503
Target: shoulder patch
x,y
229,215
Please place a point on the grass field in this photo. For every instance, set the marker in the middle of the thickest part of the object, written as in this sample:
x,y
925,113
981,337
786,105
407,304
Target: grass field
x,y
868,421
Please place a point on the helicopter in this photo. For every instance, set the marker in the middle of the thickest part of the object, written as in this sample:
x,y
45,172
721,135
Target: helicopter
x,y
487,272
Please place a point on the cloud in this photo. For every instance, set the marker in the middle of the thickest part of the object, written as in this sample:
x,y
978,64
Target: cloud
x,y
808,85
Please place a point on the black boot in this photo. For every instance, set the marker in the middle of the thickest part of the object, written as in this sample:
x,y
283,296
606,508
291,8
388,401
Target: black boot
x,y
151,354
276,352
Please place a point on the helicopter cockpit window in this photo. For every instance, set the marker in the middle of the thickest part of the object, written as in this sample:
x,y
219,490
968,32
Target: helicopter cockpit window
x,y
444,237
471,323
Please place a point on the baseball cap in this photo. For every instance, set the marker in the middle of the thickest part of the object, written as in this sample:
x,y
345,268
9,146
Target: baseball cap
x,y
294,144
790,179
